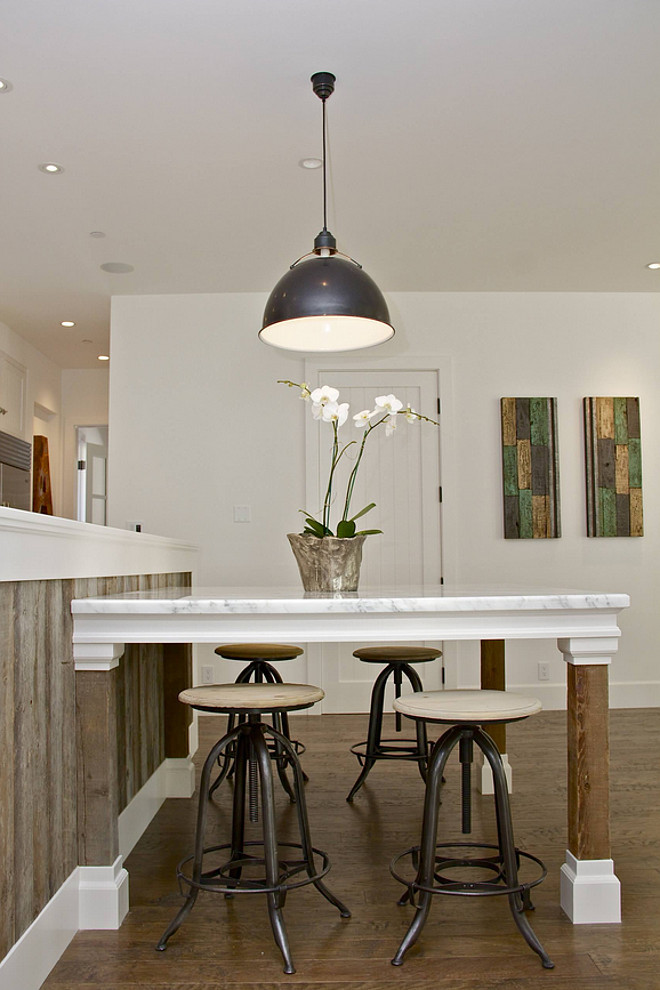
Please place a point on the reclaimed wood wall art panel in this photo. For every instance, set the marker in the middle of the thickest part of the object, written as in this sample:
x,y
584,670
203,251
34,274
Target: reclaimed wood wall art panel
x,y
614,466
530,468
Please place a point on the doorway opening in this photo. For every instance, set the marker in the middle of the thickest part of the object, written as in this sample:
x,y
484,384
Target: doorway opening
x,y
92,451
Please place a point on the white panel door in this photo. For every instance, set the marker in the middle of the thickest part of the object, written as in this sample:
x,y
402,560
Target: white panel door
x,y
401,474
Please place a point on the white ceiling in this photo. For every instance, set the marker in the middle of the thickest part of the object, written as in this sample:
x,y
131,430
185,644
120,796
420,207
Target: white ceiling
x,y
475,145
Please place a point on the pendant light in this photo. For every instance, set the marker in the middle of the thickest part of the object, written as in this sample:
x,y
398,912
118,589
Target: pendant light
x,y
326,301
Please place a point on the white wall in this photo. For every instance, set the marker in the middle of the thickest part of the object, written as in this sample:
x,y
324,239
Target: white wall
x,y
84,403
198,425
44,388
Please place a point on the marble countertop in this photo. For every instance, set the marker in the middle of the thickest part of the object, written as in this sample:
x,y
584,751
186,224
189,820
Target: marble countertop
x,y
293,600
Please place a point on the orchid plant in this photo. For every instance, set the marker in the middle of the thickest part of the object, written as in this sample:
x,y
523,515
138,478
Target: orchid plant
x,y
327,408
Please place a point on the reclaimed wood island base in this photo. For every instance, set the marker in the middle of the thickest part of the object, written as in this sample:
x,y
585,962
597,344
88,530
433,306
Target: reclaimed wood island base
x,y
583,625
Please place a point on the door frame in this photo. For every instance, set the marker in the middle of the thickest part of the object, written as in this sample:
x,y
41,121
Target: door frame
x,y
447,459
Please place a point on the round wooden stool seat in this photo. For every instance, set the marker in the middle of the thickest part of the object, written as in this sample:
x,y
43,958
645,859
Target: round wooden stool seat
x,y
258,651
473,706
392,654
251,697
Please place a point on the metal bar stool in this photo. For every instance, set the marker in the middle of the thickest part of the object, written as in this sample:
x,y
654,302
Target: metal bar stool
x,y
282,866
258,668
398,660
466,711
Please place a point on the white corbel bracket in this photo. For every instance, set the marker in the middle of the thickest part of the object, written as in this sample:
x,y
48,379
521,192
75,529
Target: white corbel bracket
x,y
97,656
588,651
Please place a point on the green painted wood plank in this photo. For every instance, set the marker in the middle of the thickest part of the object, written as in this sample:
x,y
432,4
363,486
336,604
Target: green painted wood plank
x,y
510,470
538,416
525,506
635,463
620,420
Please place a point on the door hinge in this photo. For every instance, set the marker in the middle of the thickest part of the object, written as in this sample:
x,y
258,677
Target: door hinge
x,y
440,494
442,580
82,465
443,676
438,407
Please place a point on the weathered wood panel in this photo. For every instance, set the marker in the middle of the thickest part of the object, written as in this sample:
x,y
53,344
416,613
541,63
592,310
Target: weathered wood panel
x,y
41,841
530,468
614,466
7,718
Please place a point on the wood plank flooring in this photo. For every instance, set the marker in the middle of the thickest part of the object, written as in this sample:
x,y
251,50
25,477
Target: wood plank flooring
x,y
466,944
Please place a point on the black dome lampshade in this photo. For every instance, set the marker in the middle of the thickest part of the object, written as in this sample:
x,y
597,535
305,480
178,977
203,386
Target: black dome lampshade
x,y
326,301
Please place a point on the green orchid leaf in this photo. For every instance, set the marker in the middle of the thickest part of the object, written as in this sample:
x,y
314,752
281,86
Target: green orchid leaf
x,y
362,512
316,527
346,529
368,532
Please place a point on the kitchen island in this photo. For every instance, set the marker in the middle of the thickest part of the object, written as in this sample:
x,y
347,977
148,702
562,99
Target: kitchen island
x,y
584,626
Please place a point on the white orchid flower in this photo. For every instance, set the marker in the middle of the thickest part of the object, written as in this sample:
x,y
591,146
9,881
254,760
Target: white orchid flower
x,y
362,418
388,404
390,425
324,394
317,410
304,391
335,413
410,414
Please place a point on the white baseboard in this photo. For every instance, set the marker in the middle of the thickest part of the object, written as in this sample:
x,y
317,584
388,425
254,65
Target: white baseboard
x,y
30,960
173,778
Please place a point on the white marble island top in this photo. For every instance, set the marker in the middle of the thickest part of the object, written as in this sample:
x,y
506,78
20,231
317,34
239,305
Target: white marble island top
x,y
437,598
432,612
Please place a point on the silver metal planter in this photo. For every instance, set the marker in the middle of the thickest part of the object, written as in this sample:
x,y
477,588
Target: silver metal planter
x,y
327,564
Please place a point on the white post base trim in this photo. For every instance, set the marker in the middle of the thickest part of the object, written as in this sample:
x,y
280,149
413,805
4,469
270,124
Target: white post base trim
x,y
30,960
174,778
485,778
103,897
590,893
180,777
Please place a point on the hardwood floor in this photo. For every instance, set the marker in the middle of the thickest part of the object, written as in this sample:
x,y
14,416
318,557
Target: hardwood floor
x,y
466,944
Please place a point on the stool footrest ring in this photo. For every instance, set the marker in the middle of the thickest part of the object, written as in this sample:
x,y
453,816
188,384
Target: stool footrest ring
x,y
213,879
486,888
389,749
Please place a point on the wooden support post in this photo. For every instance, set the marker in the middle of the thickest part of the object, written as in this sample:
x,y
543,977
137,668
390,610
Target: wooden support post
x,y
177,675
98,792
493,678
588,762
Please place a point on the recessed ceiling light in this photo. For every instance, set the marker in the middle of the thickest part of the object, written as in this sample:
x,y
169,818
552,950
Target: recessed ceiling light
x,y
96,233
5,86
67,323
654,264
310,162
104,357
51,167
117,267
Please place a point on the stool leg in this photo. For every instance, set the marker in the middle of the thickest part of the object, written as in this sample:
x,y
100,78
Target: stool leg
x,y
303,826
238,808
191,896
275,899
420,724
508,847
426,867
375,728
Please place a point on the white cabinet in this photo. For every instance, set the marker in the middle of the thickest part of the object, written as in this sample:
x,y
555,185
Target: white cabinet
x,y
13,380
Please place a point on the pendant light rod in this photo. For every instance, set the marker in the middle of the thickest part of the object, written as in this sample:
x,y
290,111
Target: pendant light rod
x,y
323,84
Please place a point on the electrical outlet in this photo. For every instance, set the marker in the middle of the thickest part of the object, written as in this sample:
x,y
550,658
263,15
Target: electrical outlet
x,y
544,671
207,674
